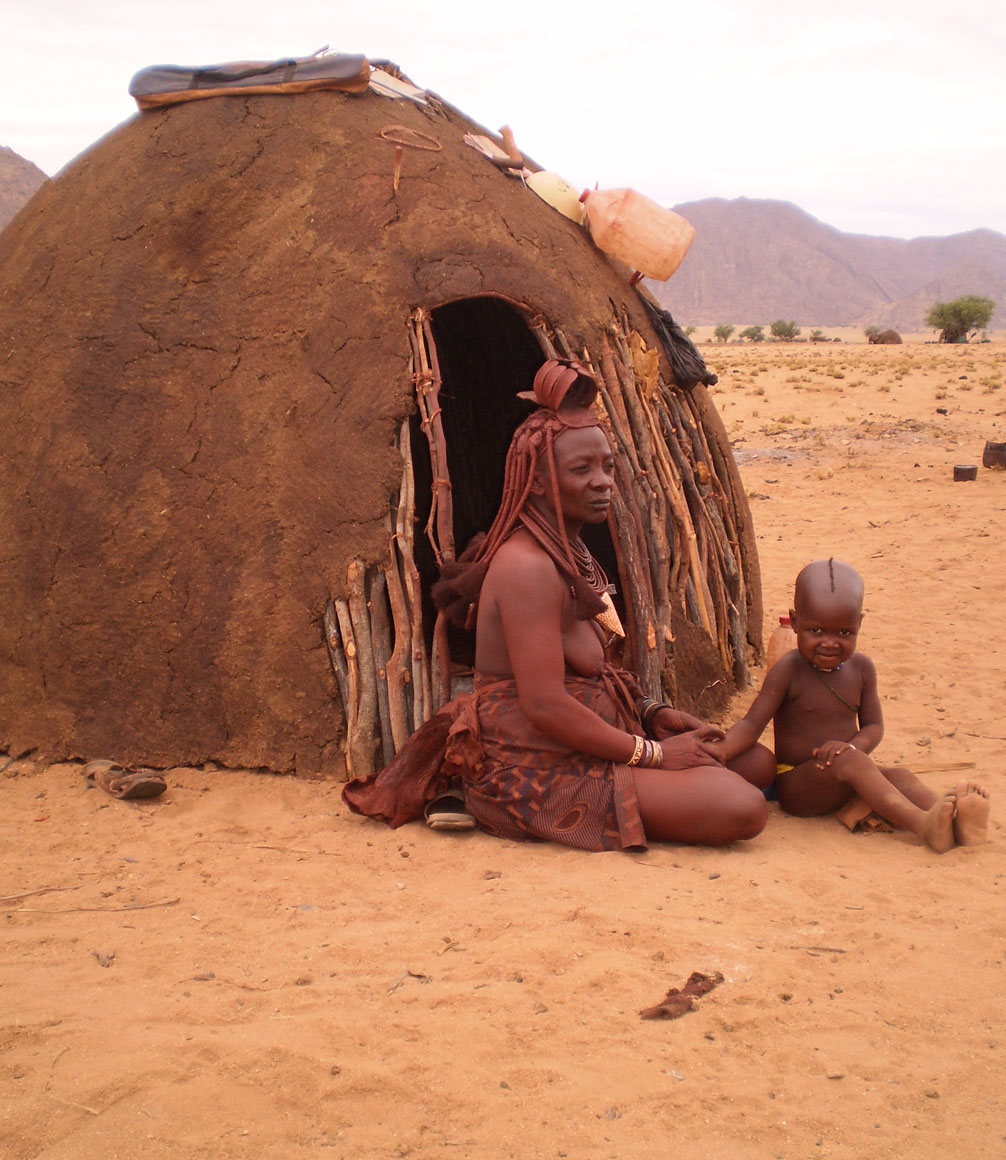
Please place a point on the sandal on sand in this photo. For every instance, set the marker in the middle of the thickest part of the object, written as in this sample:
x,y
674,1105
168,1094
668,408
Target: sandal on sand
x,y
448,812
125,783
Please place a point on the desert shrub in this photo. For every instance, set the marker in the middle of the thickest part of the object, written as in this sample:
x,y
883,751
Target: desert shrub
x,y
785,331
956,320
723,332
754,334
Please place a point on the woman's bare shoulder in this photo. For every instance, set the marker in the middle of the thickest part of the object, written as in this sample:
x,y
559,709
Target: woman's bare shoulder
x,y
522,560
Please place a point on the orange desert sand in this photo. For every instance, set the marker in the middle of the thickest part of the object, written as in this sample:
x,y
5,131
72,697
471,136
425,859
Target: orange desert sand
x,y
244,969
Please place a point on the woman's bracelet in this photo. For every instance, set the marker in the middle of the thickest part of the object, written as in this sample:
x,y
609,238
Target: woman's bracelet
x,y
646,753
637,753
649,710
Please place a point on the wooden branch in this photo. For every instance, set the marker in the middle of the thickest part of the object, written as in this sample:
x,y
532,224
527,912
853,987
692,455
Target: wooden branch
x,y
398,663
337,659
539,327
440,664
353,739
380,628
440,526
366,669
421,695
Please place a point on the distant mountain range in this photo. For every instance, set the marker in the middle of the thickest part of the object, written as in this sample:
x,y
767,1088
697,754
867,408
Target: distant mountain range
x,y
758,261
18,181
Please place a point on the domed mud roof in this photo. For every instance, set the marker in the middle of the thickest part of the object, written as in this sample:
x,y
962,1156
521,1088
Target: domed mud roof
x,y
206,362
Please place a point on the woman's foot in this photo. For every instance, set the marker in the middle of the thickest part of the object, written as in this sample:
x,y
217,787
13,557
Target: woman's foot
x,y
971,822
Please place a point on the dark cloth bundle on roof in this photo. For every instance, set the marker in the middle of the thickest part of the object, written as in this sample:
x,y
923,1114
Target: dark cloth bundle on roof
x,y
168,84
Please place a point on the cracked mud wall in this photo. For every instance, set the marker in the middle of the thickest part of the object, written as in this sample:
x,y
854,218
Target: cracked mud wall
x,y
203,367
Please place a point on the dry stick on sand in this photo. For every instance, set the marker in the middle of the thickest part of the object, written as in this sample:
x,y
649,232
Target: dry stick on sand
x,y
100,909
41,890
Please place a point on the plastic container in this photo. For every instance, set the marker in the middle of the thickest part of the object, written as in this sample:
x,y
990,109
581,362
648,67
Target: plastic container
x,y
782,640
637,231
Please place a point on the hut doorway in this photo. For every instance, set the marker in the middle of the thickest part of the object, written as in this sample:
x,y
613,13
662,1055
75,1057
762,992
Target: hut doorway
x,y
475,354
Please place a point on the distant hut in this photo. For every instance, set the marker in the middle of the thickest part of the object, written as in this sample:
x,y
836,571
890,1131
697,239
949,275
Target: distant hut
x,y
259,359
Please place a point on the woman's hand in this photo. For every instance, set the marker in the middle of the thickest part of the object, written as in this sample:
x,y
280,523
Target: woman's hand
x,y
715,750
666,722
689,750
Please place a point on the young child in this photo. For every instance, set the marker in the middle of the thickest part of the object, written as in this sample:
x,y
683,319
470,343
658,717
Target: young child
x,y
823,698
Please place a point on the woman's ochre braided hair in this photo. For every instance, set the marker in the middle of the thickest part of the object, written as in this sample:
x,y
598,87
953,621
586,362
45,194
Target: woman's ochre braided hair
x,y
565,391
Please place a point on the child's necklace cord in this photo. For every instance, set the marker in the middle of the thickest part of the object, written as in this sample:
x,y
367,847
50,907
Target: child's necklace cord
x,y
819,673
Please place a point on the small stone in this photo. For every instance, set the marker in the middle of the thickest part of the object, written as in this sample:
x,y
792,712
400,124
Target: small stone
x,y
612,1114
932,1094
924,741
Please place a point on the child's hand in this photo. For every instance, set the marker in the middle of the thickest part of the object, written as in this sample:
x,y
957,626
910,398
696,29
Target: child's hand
x,y
827,752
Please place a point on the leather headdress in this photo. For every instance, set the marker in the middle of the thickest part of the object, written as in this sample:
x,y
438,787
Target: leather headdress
x,y
562,383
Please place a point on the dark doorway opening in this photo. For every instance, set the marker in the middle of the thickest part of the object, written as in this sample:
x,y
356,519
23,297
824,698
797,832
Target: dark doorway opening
x,y
486,354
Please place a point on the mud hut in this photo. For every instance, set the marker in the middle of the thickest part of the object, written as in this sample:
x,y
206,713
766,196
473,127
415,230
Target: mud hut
x,y
259,359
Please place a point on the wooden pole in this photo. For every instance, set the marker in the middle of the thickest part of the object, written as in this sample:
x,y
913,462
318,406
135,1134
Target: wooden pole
x,y
377,604
363,756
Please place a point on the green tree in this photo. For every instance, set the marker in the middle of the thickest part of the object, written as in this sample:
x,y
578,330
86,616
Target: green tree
x,y
754,334
956,320
870,331
690,330
786,331
723,332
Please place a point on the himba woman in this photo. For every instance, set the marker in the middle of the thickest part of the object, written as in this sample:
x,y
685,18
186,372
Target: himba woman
x,y
555,743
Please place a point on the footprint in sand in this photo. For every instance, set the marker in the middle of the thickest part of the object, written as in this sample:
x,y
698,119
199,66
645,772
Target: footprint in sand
x,y
971,821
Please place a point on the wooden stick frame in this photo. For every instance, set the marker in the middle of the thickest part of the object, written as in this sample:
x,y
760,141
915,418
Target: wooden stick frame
x,y
673,524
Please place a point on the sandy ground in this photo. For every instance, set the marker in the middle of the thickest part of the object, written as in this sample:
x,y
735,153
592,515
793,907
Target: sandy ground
x,y
243,969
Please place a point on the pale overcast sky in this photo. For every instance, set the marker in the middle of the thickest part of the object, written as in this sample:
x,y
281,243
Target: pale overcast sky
x,y
876,116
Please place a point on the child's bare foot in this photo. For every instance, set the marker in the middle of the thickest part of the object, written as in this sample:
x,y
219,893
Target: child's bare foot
x,y
971,822
937,829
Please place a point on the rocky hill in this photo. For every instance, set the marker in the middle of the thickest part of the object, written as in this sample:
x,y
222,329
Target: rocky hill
x,y
756,261
18,181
